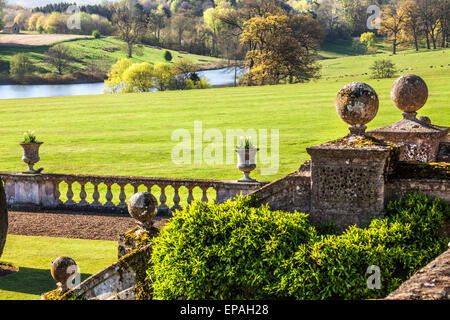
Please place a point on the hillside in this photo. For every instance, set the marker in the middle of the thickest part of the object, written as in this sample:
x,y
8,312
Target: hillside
x,y
89,52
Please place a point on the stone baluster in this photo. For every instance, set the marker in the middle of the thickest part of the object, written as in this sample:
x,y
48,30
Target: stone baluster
x,y
83,195
176,199
204,196
69,193
149,187
57,193
96,196
122,195
190,197
162,200
109,195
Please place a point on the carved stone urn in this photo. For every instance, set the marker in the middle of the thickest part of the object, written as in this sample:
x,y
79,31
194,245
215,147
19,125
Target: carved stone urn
x,y
246,162
31,156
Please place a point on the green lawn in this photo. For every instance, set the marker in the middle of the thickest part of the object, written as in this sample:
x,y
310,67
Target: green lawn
x,y
34,255
90,51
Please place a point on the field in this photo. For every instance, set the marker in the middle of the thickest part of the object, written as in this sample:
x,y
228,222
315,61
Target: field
x,y
88,52
29,39
34,255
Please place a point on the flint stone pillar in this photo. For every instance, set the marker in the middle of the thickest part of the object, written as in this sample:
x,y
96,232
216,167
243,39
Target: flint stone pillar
x,y
348,182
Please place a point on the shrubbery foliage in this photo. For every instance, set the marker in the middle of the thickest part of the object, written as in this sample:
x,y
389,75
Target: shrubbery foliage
x,y
235,250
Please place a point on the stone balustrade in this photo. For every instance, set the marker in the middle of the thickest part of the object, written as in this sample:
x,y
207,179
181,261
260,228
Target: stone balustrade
x,y
57,191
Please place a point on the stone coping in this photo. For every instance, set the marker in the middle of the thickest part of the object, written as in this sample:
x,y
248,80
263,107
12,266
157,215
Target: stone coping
x,y
411,128
110,179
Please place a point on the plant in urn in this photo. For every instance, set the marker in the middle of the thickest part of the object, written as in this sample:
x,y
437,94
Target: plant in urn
x,y
30,147
246,153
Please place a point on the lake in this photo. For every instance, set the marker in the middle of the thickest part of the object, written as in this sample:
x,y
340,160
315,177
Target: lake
x,y
217,78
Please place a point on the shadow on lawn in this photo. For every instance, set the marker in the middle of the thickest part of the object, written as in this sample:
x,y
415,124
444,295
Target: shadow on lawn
x,y
31,281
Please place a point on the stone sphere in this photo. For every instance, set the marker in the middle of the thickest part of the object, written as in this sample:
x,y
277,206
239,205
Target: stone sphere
x,y
143,207
61,272
357,103
409,93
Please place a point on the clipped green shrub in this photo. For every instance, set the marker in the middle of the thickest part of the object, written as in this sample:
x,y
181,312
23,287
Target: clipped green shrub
x,y
96,34
225,251
167,56
237,251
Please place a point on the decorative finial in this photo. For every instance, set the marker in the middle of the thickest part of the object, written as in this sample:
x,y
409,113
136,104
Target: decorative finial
x,y
409,93
62,269
143,207
357,104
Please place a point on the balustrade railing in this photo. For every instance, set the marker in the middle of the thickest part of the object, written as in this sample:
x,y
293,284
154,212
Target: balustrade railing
x,y
110,193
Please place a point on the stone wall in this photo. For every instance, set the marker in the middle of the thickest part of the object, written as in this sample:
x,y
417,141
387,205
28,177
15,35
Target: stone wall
x,y
290,193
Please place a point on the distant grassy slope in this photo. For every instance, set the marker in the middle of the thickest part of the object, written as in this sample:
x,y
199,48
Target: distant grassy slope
x,y
90,51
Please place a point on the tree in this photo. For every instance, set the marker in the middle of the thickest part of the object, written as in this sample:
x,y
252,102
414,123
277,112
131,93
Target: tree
x,y
158,19
369,39
2,23
115,82
3,218
428,12
393,25
20,66
412,20
138,77
184,67
180,23
164,76
56,23
130,22
40,29
167,56
285,49
32,22
212,20
59,57
444,20
383,68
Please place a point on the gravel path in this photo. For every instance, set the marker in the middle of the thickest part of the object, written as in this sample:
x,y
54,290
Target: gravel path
x,y
72,225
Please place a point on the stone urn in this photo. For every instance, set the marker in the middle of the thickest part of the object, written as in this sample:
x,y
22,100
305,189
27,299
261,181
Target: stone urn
x,y
246,162
31,155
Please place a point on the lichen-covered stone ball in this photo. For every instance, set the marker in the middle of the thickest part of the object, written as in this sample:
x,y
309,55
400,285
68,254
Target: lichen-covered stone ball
x,y
62,268
357,103
409,93
143,207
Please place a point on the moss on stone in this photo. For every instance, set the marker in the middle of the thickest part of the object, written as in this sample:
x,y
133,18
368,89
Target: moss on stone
x,y
362,141
52,295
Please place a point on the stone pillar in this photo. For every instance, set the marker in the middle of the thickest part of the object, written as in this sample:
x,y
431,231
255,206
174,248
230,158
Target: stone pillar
x,y
348,175
347,182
